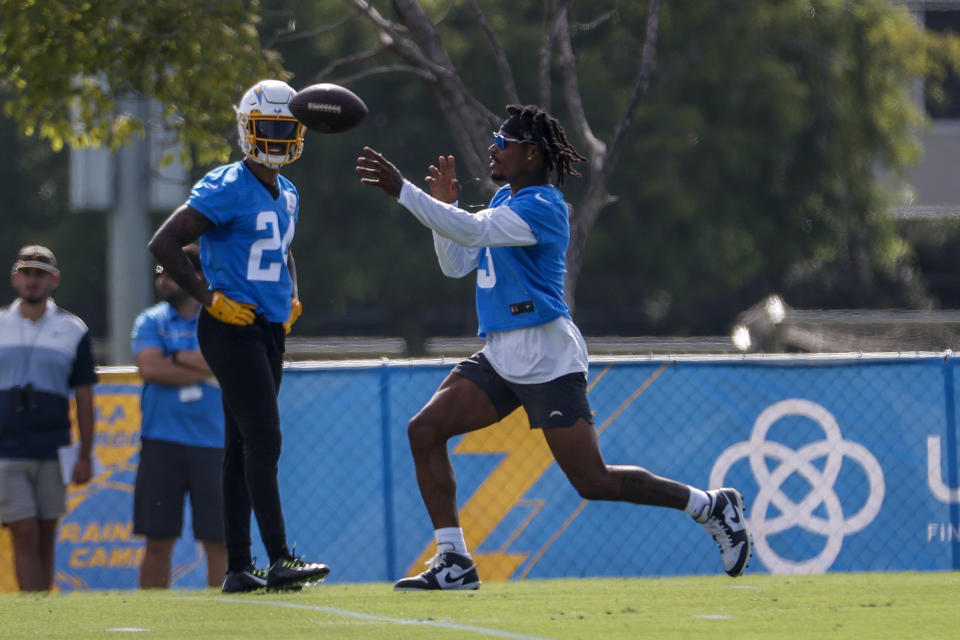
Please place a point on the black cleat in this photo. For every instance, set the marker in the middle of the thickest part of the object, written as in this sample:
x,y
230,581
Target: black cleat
x,y
250,579
448,571
292,572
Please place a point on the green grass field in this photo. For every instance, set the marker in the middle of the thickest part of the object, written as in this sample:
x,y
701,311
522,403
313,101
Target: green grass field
x,y
862,606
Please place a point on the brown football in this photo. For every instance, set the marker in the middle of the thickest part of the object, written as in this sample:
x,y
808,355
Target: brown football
x,y
328,108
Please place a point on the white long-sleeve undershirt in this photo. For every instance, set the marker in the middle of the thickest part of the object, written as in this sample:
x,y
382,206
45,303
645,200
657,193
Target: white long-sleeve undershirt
x,y
527,356
458,235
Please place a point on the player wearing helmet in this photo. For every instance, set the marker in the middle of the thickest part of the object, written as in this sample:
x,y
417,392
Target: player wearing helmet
x,y
244,215
268,132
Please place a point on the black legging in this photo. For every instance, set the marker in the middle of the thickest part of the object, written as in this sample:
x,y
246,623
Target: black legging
x,y
248,364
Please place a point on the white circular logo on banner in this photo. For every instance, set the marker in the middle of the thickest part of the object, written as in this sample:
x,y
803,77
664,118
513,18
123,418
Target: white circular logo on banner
x,y
801,514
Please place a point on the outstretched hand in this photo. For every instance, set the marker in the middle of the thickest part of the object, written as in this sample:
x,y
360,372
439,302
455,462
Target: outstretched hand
x,y
443,180
377,171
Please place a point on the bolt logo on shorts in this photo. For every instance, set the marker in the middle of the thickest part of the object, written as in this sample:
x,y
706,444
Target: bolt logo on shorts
x,y
788,514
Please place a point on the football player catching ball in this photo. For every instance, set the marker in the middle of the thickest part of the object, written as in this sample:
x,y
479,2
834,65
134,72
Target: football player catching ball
x,y
534,355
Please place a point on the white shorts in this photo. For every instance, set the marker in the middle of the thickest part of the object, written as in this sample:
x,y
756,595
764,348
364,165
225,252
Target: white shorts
x,y
31,489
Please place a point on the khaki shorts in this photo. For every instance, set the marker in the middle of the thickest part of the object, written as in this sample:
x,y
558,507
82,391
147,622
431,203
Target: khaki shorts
x,y
31,489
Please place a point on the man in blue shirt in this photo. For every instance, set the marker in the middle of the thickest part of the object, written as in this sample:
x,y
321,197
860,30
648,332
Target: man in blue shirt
x,y
534,355
44,353
244,215
181,435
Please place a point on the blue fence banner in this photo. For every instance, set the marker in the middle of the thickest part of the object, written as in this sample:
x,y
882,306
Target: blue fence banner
x,y
846,463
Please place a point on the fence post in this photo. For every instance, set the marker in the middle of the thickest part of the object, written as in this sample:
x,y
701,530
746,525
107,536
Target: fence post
x,y
951,448
387,453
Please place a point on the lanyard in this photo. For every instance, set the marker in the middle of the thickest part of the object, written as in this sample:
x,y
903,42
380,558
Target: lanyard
x,y
39,325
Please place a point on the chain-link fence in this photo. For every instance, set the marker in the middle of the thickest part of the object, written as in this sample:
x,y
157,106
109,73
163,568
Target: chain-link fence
x,y
846,464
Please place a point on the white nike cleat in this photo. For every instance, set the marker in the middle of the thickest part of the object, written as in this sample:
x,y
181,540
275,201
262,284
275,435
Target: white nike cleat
x,y
725,520
448,571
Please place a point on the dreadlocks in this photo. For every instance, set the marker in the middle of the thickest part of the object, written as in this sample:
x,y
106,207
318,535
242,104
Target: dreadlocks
x,y
533,122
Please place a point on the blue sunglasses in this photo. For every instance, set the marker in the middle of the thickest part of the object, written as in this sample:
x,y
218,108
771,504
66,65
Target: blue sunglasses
x,y
501,140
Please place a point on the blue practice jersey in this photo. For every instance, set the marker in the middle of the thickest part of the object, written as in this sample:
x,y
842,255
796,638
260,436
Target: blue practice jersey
x,y
189,414
244,254
520,287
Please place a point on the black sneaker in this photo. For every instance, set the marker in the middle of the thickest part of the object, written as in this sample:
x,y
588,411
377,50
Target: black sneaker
x,y
725,520
250,579
292,572
448,571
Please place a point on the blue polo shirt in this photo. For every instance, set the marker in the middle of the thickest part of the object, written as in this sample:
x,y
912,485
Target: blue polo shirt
x,y
189,414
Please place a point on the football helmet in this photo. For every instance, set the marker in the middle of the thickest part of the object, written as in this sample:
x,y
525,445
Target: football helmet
x,y
269,134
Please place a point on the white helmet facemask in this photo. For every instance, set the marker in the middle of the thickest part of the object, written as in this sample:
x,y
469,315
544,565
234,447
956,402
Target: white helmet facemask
x,y
269,134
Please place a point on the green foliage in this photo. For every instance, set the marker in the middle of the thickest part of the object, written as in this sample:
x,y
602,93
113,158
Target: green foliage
x,y
751,167
35,211
65,62
754,165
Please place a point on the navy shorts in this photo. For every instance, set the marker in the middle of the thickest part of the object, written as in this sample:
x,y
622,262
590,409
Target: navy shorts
x,y
549,405
166,473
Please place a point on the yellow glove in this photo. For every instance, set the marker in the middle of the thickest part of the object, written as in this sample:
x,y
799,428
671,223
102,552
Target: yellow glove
x,y
230,311
296,310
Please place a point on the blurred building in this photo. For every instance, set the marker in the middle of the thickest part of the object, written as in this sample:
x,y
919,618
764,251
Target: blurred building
x,y
934,190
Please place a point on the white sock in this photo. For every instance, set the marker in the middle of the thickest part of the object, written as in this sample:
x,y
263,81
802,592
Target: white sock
x,y
698,504
451,539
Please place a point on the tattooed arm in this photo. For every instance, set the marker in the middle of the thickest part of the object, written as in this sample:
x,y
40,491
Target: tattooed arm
x,y
291,265
184,226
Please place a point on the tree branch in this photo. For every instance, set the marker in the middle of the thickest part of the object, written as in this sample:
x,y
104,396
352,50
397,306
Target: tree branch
x,y
290,34
460,106
481,108
339,62
506,74
546,51
593,24
647,57
571,89
391,38
398,68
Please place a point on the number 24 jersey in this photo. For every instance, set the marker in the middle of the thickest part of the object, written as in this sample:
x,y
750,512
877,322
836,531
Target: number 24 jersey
x,y
244,253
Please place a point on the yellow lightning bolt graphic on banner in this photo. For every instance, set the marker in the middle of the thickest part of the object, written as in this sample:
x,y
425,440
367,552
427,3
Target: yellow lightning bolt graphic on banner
x,y
527,458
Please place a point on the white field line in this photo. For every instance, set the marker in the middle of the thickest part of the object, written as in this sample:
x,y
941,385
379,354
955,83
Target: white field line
x,y
374,618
